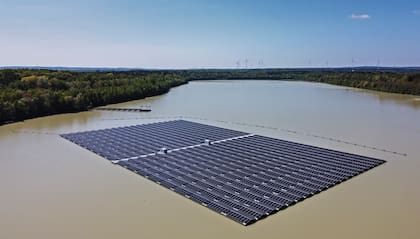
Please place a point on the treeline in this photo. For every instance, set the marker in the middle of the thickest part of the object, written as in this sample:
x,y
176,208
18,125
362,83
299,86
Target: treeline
x,y
31,93
28,93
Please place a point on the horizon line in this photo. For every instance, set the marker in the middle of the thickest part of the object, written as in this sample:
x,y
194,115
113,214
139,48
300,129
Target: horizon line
x,y
203,68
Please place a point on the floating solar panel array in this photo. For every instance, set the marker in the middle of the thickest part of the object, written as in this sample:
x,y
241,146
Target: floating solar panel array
x,y
242,176
142,109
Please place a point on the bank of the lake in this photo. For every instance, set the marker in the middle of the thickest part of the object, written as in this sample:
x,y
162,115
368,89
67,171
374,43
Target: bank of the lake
x,y
26,93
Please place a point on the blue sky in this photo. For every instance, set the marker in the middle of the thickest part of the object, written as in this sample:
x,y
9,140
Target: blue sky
x,y
210,34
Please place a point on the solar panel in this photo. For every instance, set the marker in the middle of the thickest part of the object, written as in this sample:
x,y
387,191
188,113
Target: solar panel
x,y
141,109
242,176
137,140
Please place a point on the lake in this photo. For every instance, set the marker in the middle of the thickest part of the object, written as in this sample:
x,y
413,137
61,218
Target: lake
x,y
51,188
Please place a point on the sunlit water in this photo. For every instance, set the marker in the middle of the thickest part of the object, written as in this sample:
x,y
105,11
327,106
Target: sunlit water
x,y
51,188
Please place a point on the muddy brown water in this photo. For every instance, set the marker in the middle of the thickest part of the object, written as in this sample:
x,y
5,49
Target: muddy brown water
x,y
51,188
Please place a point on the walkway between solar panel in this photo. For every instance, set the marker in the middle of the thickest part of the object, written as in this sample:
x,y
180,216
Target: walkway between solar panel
x,y
165,150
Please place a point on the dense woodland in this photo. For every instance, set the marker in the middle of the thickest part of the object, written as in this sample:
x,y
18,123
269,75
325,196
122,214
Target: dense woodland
x,y
31,93
26,93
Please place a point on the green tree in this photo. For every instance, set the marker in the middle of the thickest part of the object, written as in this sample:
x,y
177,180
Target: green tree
x,y
7,76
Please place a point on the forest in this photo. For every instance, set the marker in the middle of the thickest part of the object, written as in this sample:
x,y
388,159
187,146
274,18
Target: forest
x,y
29,93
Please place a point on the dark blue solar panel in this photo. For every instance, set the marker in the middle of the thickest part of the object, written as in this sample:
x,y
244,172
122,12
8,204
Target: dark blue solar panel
x,y
244,179
249,178
131,141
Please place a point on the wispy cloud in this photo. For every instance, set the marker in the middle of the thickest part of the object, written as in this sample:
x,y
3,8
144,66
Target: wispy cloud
x,y
417,12
360,16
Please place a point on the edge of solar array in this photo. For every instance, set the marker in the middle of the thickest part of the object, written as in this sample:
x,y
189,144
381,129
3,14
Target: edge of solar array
x,y
90,131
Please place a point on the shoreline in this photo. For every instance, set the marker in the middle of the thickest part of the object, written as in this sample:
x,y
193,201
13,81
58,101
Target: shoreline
x,y
93,108
417,97
27,94
209,80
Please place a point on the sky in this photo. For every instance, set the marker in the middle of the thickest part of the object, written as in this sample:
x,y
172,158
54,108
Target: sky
x,y
209,33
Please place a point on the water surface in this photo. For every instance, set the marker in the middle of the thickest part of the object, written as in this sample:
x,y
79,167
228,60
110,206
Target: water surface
x,y
51,188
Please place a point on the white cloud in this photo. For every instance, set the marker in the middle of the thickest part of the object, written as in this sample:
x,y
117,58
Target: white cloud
x,y
360,16
417,12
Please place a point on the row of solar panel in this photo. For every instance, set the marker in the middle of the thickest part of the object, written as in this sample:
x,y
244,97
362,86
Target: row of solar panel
x,y
229,158
214,135
179,126
277,142
307,152
236,162
142,109
286,157
118,151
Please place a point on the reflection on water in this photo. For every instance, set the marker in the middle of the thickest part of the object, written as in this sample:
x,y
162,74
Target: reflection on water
x,y
54,189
